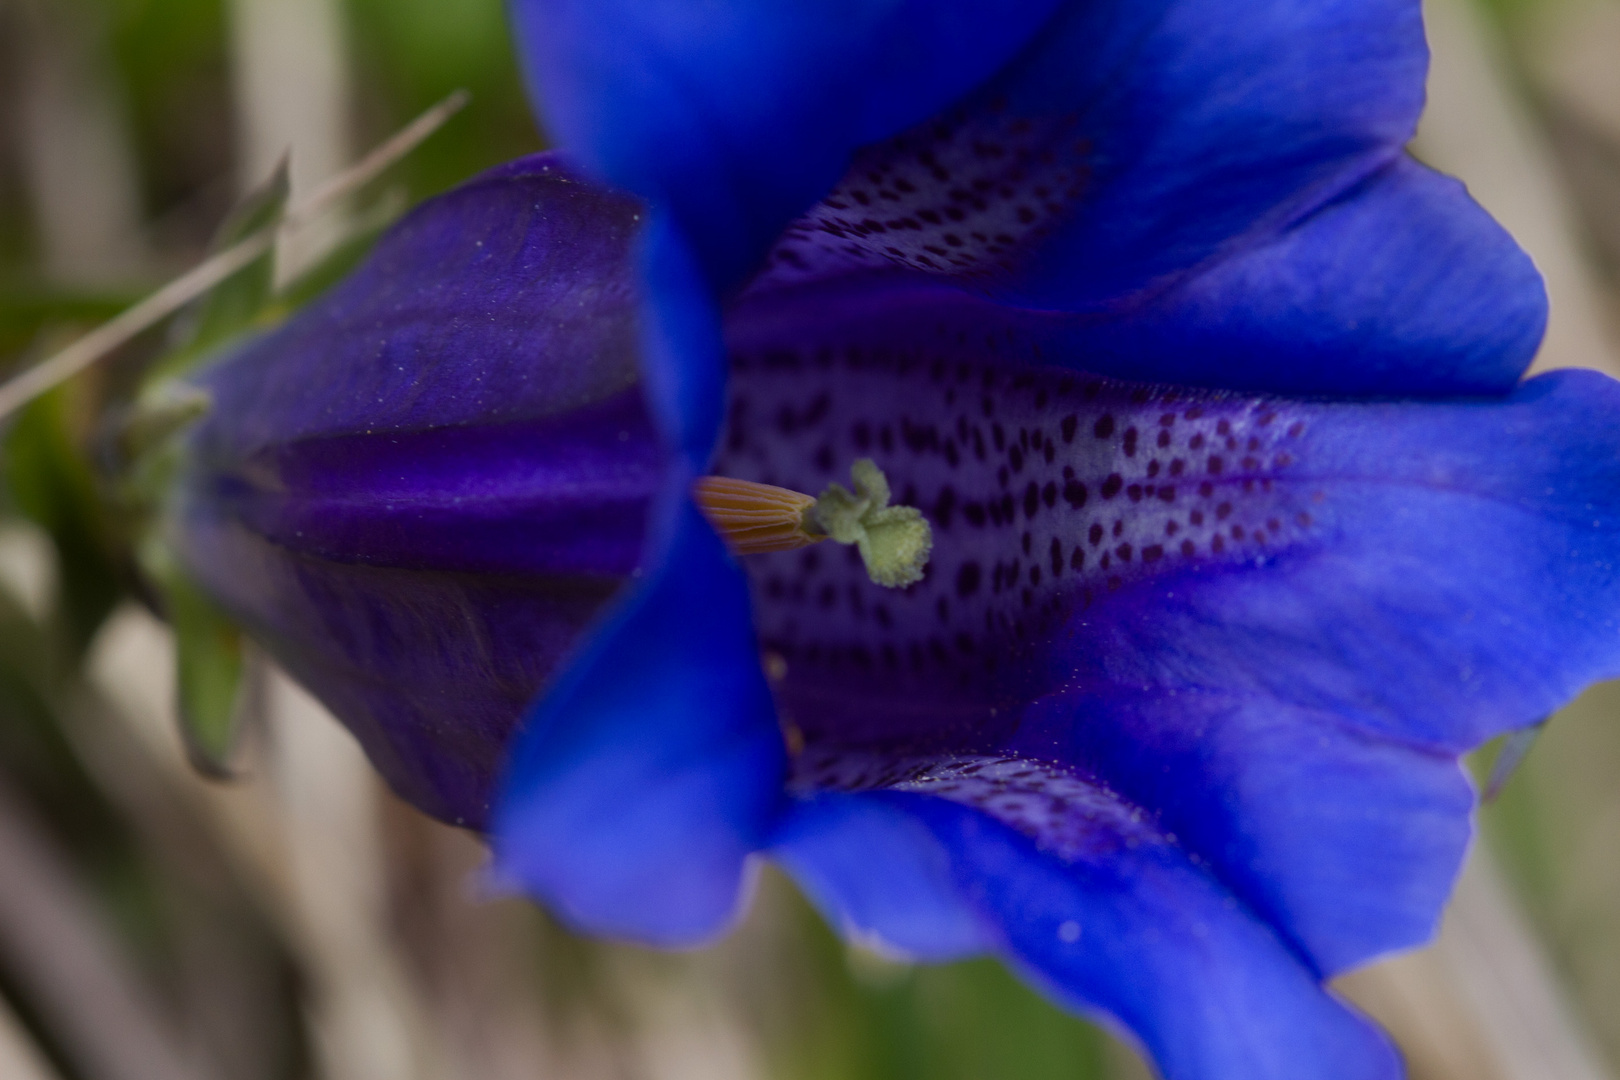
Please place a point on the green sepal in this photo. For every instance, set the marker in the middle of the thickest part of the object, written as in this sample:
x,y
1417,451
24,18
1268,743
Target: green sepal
x,y
211,686
28,307
238,303
233,305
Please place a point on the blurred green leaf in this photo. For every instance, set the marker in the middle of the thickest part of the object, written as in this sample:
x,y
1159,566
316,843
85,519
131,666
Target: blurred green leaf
x,y
172,56
209,672
411,53
51,482
233,304
26,309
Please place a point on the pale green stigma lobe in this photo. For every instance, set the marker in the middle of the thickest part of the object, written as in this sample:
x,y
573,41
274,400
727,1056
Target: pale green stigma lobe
x,y
754,519
894,541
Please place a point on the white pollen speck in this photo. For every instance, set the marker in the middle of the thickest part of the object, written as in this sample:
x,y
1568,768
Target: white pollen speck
x,y
1069,932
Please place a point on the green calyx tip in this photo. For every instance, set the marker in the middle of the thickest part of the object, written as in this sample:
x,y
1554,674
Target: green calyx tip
x,y
894,541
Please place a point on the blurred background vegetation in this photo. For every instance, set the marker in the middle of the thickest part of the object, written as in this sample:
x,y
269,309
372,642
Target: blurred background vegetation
x,y
298,922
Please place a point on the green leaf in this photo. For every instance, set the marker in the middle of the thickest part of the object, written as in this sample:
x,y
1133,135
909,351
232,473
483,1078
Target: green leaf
x,y
27,307
210,690
51,482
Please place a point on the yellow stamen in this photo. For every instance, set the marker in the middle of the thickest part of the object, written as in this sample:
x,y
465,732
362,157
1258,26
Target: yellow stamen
x,y
894,541
755,518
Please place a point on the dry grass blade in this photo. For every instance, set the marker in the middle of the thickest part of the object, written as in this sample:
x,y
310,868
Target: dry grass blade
x,y
371,166
101,341
55,944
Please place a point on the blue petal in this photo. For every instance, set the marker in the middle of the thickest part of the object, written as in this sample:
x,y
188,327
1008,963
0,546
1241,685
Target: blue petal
x,y
1094,903
511,297
651,770
1207,119
683,357
879,875
1206,986
735,114
1194,192
1401,286
422,487
1345,842
1466,579
1272,623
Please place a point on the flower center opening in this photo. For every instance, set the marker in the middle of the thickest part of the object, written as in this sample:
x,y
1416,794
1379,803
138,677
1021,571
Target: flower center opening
x,y
1060,505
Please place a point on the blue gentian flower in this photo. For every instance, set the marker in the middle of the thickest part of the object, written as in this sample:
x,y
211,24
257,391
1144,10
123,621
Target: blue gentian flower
x,y
1244,527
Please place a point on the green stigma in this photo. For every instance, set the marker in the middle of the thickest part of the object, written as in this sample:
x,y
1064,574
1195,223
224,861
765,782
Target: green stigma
x,y
894,541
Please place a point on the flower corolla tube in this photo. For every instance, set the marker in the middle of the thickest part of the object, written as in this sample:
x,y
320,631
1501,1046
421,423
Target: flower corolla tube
x,y
1231,523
